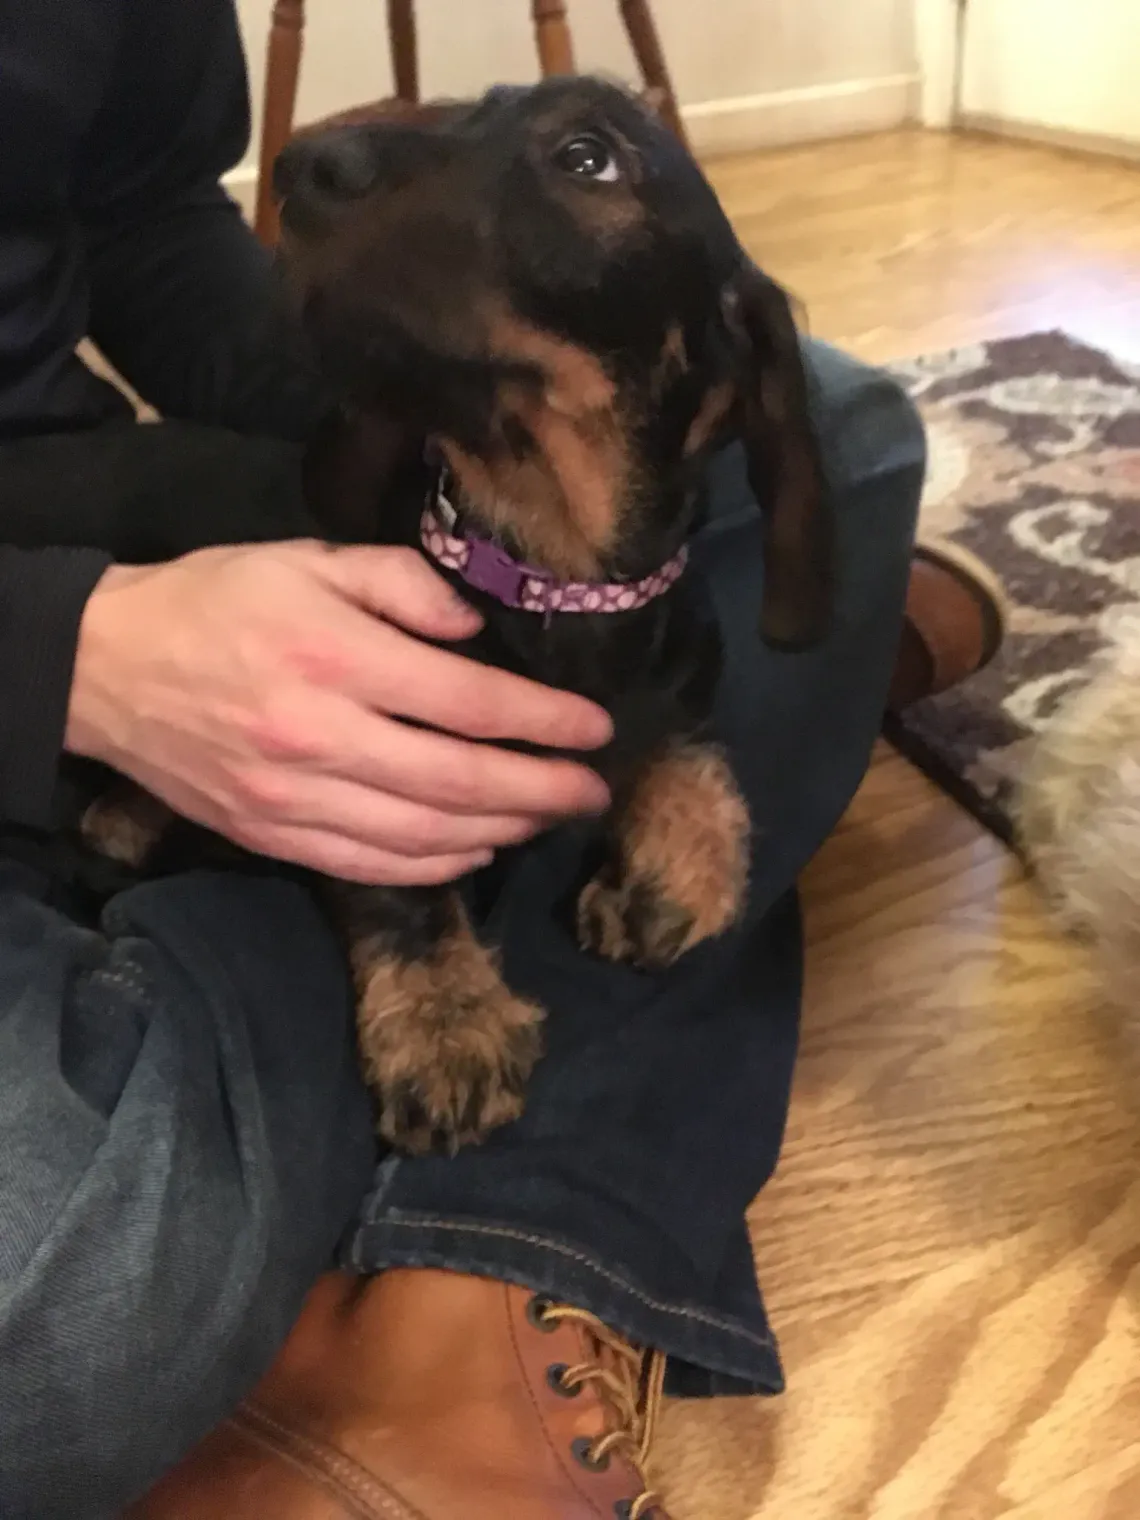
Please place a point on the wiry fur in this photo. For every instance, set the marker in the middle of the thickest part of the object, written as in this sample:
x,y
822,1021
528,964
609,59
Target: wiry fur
x,y
574,348
679,866
441,1035
1078,816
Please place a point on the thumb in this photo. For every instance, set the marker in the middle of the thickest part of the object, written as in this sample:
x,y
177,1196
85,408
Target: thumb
x,y
399,584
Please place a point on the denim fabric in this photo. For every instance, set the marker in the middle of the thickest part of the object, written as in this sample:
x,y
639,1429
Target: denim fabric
x,y
183,1134
184,1137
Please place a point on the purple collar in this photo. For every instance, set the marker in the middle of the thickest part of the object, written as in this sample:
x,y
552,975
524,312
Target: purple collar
x,y
488,567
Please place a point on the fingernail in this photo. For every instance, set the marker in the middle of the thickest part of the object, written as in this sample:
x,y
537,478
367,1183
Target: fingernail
x,y
601,727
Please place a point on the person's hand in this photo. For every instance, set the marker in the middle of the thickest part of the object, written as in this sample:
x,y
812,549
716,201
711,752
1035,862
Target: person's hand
x,y
260,690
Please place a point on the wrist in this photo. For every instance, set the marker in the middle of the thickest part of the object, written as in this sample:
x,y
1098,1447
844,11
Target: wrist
x,y
97,723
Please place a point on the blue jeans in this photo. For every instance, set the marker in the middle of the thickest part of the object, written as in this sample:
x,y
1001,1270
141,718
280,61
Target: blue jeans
x,y
185,1143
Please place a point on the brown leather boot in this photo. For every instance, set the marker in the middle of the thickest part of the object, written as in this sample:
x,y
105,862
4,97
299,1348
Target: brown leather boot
x,y
422,1395
956,618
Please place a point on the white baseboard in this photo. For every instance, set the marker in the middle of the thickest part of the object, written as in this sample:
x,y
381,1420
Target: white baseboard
x,y
242,185
794,116
1097,143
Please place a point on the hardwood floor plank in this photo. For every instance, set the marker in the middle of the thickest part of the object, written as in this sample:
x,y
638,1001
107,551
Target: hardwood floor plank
x,y
951,1248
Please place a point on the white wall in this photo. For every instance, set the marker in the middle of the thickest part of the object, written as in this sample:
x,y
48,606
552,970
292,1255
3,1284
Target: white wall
x,y
938,37
1072,67
749,72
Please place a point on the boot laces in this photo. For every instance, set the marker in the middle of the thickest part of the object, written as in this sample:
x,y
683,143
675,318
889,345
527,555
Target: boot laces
x,y
630,1383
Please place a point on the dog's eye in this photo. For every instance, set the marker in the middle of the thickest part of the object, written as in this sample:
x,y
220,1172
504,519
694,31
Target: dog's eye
x,y
589,158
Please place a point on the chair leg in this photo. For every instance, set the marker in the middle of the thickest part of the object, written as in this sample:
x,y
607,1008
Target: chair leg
x,y
405,54
555,47
646,44
282,70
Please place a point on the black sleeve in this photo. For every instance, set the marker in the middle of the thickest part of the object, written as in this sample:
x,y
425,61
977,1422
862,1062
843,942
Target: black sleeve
x,y
55,59
115,122
54,62
186,304
42,596
184,299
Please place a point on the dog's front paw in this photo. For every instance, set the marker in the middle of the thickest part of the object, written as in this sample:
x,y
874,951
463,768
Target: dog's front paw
x,y
681,864
446,1046
631,921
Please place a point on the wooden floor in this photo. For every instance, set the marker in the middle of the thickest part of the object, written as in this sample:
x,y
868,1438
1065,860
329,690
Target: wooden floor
x,y
951,1249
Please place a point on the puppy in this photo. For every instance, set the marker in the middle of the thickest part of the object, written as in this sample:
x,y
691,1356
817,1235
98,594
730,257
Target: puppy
x,y
1078,815
540,324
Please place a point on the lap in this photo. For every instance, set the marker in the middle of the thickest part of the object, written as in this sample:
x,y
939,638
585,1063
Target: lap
x,y
801,726
657,1113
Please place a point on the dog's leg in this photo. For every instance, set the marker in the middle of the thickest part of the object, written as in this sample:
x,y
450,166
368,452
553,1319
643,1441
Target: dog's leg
x,y
125,824
445,1044
679,868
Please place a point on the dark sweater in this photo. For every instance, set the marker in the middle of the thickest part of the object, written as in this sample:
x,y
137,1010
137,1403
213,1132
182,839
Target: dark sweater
x,y
117,118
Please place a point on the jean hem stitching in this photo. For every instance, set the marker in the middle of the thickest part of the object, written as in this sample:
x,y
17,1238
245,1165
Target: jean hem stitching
x,y
571,1253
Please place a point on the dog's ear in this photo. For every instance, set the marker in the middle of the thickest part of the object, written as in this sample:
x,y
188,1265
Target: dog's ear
x,y
783,460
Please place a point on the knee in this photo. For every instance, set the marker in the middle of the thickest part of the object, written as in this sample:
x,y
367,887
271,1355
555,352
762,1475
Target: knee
x,y
868,426
108,1390
196,1142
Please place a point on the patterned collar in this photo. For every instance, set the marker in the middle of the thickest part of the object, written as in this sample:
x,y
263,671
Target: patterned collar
x,y
488,567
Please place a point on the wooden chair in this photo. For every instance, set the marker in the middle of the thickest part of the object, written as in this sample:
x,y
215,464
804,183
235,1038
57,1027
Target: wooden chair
x,y
555,52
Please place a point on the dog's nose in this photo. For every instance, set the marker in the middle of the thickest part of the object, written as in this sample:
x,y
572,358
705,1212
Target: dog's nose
x,y
334,168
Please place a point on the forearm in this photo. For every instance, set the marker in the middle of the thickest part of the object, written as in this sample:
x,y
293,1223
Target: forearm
x,y
42,597
69,505
146,493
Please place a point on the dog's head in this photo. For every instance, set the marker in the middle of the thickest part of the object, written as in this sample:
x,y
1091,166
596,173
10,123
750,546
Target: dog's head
x,y
545,285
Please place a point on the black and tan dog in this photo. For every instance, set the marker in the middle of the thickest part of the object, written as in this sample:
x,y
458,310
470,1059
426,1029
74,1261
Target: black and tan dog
x,y
540,324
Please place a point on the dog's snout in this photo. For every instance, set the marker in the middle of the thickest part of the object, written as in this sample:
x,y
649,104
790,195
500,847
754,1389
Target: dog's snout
x,y
335,168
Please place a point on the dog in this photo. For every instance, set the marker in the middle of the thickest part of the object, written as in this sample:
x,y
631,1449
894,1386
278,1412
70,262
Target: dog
x,y
1078,816
539,324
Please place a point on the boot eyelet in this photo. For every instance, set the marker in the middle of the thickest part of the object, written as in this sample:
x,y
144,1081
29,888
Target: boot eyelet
x,y
583,1449
556,1377
536,1312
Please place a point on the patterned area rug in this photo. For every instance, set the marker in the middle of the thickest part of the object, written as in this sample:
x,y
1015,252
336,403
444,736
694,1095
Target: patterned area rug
x,y
1035,466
